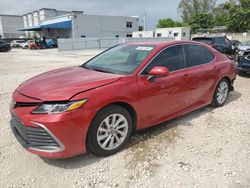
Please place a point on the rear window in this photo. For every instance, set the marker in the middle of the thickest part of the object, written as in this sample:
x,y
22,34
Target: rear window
x,y
197,55
219,40
203,40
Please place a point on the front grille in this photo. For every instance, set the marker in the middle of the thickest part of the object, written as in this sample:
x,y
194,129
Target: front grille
x,y
24,104
37,138
245,66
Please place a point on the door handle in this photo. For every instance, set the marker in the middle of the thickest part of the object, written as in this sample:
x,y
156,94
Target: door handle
x,y
188,75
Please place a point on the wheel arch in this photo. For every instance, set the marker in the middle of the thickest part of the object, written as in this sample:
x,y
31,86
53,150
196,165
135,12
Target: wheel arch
x,y
126,106
122,104
228,79
218,81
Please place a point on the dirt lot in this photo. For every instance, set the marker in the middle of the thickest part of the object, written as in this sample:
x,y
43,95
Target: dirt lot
x,y
206,148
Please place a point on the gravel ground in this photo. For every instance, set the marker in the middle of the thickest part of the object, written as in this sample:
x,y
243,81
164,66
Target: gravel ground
x,y
205,148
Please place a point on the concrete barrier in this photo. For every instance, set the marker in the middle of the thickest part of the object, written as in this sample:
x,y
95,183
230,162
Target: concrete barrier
x,y
99,43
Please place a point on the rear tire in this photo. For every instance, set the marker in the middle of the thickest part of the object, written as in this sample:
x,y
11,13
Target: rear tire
x,y
4,49
221,93
109,131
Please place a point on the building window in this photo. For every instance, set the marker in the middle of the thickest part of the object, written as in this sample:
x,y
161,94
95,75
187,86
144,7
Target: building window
x,y
83,36
170,32
117,36
176,34
140,35
183,34
129,35
129,24
159,35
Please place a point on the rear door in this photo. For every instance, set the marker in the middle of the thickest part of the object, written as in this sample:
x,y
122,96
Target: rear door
x,y
201,72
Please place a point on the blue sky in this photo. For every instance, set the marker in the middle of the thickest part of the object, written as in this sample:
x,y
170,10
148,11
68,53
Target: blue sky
x,y
155,9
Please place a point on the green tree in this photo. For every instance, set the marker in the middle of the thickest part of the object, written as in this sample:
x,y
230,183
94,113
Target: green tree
x,y
202,21
238,15
221,16
168,22
189,8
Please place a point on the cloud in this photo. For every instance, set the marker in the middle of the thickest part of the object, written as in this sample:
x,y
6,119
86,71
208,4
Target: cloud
x,y
155,10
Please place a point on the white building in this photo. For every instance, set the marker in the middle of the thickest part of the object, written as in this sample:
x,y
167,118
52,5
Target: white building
x,y
143,34
34,19
9,26
178,33
75,24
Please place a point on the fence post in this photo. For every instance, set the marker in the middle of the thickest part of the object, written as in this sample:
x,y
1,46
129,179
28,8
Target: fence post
x,y
99,43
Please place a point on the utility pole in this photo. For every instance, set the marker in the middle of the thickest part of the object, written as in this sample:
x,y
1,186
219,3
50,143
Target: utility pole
x,y
73,20
144,21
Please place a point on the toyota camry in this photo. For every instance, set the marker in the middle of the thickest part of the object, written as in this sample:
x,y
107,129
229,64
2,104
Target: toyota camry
x,y
96,106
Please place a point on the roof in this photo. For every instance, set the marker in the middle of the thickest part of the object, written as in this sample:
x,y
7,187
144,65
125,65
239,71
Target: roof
x,y
58,25
163,43
47,9
168,28
10,15
209,37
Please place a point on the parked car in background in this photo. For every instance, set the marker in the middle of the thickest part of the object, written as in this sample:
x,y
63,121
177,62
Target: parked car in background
x,y
96,106
17,43
4,46
222,44
244,45
26,44
242,57
235,43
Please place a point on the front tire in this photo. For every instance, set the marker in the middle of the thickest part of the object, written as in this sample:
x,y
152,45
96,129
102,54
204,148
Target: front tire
x,y
221,93
109,131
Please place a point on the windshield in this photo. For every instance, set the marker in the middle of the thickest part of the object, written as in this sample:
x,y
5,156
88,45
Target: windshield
x,y
122,59
246,43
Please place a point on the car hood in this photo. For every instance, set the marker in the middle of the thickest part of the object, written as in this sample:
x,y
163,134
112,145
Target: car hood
x,y
244,48
62,84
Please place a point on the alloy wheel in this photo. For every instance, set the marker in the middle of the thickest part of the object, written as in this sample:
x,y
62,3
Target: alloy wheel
x,y
222,92
112,131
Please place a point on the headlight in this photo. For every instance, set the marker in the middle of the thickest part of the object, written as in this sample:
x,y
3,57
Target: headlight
x,y
58,107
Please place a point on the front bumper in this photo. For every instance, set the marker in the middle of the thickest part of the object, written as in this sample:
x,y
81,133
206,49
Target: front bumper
x,y
244,69
52,135
243,61
36,138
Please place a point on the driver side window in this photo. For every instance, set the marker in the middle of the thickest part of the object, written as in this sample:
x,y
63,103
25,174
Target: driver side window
x,y
171,58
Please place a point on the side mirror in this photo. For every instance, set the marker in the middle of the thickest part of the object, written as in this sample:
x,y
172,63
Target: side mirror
x,y
158,71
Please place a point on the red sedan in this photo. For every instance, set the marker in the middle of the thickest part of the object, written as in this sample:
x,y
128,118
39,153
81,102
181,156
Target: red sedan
x,y
96,106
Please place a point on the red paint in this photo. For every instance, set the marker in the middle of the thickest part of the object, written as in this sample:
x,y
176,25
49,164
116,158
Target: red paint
x,y
154,101
159,71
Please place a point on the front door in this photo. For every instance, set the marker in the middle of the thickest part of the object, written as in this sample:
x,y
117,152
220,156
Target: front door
x,y
160,97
